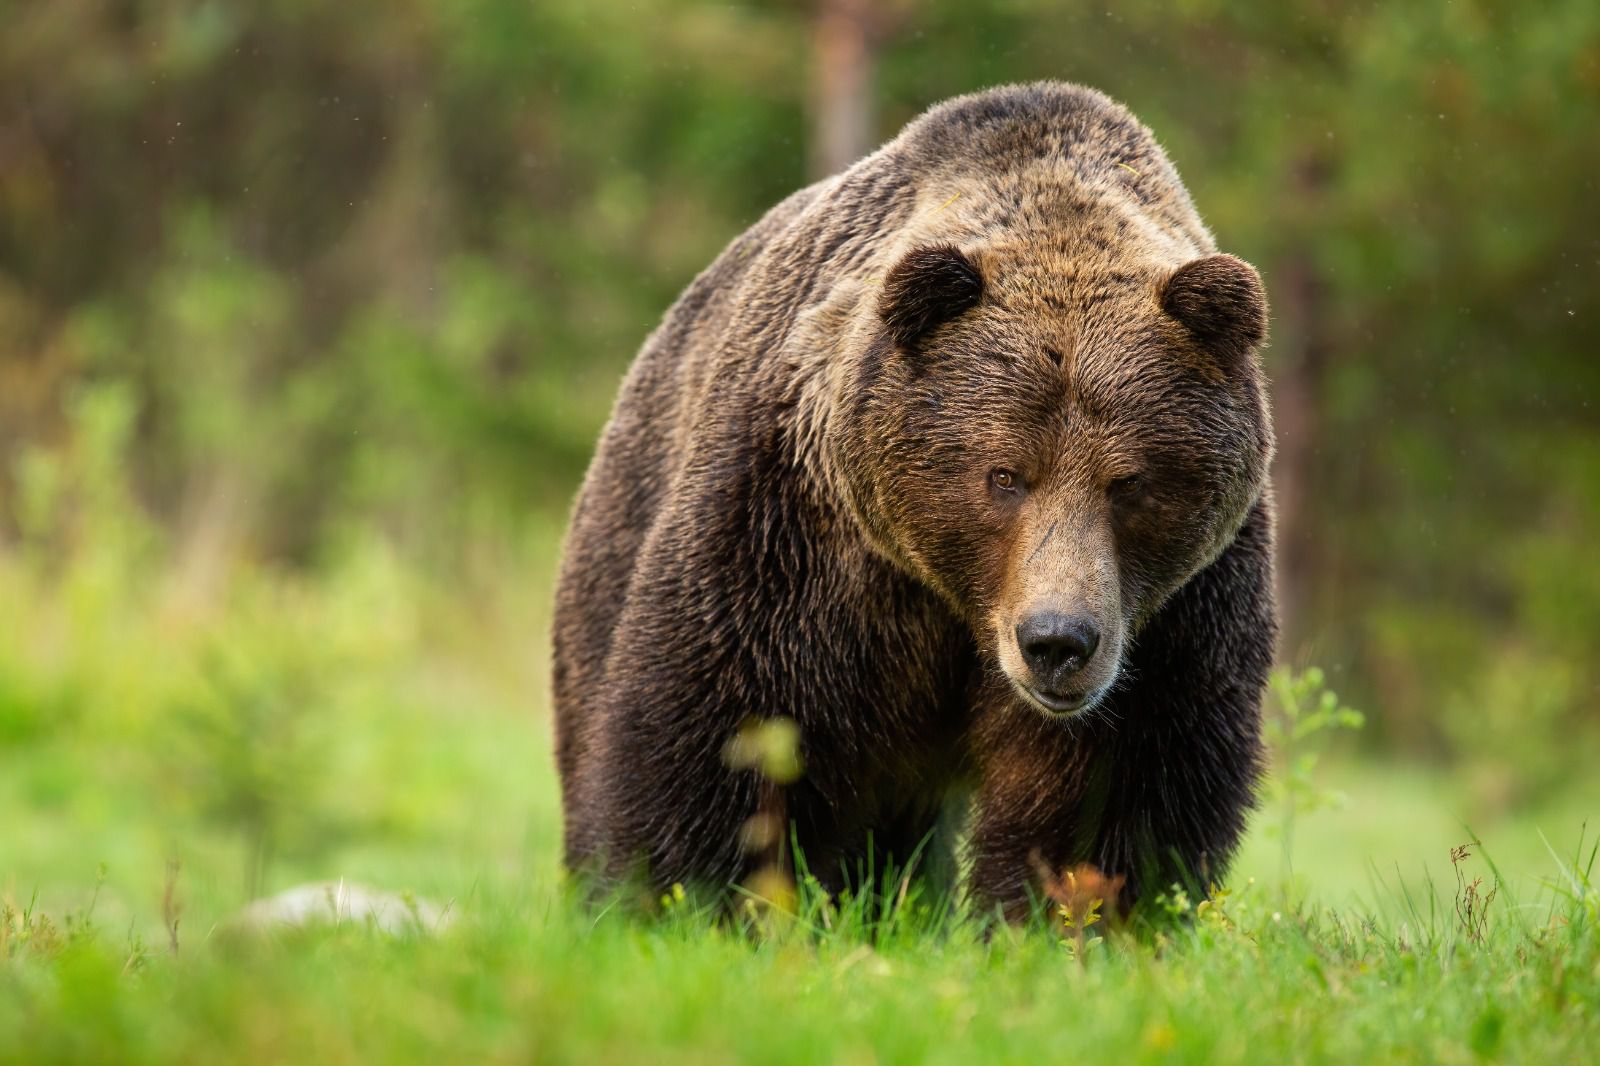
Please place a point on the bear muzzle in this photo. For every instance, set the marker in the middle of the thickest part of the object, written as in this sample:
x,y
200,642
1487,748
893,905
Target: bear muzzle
x,y
1061,661
1056,647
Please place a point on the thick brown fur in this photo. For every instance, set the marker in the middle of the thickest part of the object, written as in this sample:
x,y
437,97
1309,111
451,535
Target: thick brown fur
x,y
997,364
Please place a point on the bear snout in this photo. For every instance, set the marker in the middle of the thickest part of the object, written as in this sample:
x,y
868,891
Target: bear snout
x,y
1060,657
1056,646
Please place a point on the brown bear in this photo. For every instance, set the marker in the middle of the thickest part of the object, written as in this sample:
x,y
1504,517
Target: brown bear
x,y
959,460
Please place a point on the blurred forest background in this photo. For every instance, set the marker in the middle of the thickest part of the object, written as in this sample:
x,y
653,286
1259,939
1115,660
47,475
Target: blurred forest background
x,y
310,315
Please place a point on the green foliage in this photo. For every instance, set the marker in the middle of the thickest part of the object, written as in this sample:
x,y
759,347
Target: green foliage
x,y
1302,712
248,749
336,271
352,271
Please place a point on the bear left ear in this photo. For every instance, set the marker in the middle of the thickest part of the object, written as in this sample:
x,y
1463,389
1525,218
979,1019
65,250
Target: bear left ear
x,y
1221,300
928,287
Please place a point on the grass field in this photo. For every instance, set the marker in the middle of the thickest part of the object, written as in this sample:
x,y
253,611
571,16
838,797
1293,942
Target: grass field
x,y
164,758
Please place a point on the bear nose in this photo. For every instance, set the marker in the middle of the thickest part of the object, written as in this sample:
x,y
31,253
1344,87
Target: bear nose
x,y
1055,645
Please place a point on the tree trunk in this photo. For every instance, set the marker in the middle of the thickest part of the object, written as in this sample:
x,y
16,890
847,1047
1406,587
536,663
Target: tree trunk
x,y
1298,374
844,45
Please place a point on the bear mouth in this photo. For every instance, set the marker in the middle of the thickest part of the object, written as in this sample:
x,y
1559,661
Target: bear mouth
x,y
1055,703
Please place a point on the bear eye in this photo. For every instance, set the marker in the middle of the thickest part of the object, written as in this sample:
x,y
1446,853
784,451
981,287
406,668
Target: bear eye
x,y
1126,488
1005,481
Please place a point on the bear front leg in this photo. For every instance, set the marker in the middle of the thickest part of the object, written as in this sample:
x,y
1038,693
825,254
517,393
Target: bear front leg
x,y
1040,804
657,804
1054,796
1154,785
1152,806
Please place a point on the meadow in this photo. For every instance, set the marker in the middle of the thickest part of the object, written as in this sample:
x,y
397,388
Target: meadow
x,y
163,761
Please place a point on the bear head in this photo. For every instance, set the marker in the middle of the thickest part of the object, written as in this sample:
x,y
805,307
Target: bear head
x,y
1056,439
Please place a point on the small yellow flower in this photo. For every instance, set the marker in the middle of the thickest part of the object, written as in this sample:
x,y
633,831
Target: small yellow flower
x,y
1160,1037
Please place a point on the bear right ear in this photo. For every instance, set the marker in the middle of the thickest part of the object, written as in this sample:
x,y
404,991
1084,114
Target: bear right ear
x,y
928,287
1221,300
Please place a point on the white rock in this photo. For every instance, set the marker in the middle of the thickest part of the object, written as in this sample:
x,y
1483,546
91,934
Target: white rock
x,y
342,902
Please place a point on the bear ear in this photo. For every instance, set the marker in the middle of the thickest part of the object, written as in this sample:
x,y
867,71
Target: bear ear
x,y
1221,300
929,286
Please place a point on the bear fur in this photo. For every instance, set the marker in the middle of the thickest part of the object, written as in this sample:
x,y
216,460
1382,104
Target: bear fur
x,y
992,373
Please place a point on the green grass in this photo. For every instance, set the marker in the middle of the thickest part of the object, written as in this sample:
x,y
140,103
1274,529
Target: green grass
x,y
530,976
374,726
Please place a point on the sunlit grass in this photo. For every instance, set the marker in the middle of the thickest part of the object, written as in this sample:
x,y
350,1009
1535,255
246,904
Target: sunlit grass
x,y
528,973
